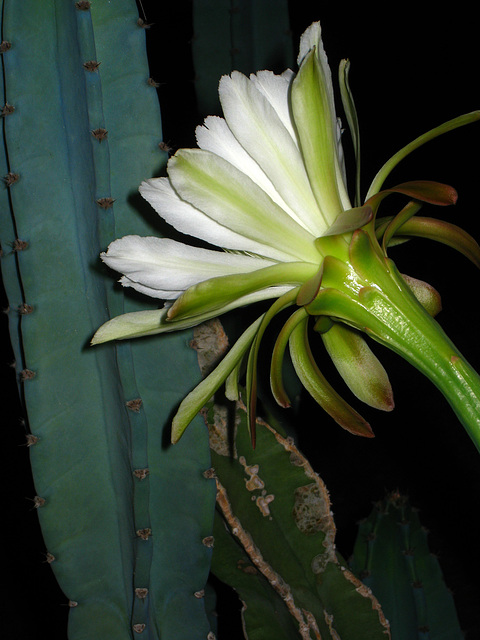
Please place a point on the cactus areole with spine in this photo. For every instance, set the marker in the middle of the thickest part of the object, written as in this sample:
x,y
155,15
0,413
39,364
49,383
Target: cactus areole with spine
x,y
267,186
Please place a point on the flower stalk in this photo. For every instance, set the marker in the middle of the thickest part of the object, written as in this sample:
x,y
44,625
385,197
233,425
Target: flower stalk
x,y
373,297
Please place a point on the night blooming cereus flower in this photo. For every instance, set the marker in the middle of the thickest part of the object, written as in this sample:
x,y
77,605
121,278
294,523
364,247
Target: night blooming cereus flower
x,y
267,187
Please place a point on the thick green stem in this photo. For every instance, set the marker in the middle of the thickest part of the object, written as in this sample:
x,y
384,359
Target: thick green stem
x,y
372,296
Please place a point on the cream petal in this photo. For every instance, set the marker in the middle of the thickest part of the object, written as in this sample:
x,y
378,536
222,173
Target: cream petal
x,y
160,294
231,198
318,134
215,136
312,39
163,268
154,321
275,88
189,220
260,131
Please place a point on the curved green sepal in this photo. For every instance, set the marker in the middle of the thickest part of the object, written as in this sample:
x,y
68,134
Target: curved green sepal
x,y
444,232
276,377
197,398
352,119
310,288
282,303
322,392
427,295
411,209
350,220
415,144
359,367
217,293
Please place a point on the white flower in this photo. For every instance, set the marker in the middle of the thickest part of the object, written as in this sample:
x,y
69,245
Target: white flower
x,y
265,182
266,191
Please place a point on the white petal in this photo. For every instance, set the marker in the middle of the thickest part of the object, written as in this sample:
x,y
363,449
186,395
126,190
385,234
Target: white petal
x,y
164,268
215,136
275,89
311,37
230,197
260,131
189,220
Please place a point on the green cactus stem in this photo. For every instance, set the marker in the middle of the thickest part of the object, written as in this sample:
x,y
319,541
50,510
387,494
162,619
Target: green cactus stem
x,y
284,565
117,508
392,557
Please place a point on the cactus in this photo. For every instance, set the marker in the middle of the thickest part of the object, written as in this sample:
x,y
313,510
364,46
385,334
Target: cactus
x,y
123,516
247,37
284,565
391,556
127,520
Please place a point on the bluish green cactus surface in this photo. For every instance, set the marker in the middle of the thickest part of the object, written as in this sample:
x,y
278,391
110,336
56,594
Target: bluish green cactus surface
x,y
124,516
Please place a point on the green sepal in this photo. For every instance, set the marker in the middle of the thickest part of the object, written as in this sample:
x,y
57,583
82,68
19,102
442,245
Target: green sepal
x,y
197,398
310,288
367,263
217,293
427,191
276,368
318,387
444,232
427,295
387,168
352,119
280,304
359,367
350,220
408,211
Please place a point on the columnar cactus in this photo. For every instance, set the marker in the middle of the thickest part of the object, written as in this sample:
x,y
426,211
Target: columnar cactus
x,y
284,566
392,558
124,517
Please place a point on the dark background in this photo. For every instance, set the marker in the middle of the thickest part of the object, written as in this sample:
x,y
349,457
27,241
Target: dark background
x,y
411,71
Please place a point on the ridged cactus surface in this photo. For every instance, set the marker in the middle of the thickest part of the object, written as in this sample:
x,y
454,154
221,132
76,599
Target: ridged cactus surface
x,y
246,36
275,539
392,557
124,516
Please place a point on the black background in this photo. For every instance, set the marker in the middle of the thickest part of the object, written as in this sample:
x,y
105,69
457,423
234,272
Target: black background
x,y
411,71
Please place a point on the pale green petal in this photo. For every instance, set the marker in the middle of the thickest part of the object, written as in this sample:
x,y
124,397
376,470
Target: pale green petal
x,y
136,325
215,136
312,40
318,134
164,268
259,129
221,291
231,198
185,218
197,398
147,323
